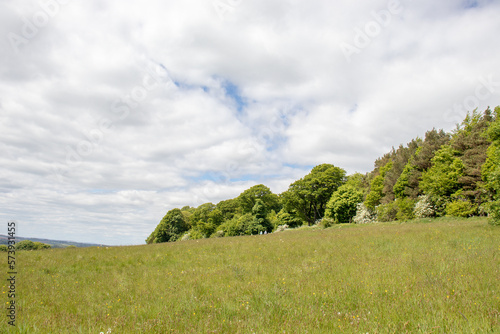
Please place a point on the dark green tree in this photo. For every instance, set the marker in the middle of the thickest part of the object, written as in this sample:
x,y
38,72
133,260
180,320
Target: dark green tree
x,y
260,221
399,159
491,169
472,144
377,186
170,228
285,218
249,197
408,182
307,197
229,208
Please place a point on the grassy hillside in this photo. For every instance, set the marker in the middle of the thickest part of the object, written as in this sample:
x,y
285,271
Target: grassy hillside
x,y
440,276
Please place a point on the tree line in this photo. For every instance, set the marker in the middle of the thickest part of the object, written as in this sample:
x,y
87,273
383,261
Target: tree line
x,y
443,174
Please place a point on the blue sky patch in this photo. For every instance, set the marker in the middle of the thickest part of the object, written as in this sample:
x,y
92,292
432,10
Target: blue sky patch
x,y
234,93
471,4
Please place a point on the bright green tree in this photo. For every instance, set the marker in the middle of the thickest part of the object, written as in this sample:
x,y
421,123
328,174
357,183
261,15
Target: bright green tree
x,y
343,203
442,179
249,197
376,187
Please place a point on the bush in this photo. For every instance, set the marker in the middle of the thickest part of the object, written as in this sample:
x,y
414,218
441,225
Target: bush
x,y
405,209
4,248
30,245
25,245
326,222
424,207
460,208
41,245
494,213
363,215
387,212
195,234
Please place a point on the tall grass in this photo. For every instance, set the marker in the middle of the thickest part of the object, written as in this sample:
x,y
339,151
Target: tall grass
x,y
426,276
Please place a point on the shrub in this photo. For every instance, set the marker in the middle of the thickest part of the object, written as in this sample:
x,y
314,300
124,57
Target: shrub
x,y
4,248
194,234
494,213
41,245
326,222
387,212
460,208
405,209
424,208
363,215
25,245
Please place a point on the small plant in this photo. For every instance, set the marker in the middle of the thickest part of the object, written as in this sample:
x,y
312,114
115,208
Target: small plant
x,y
3,248
217,234
281,228
186,236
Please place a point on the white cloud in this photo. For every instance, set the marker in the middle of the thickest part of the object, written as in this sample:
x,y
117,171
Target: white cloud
x,y
112,113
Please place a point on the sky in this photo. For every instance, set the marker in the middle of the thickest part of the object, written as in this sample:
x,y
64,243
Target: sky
x,y
114,112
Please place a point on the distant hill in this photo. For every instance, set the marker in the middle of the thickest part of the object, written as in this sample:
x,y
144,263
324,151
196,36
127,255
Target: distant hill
x,y
54,243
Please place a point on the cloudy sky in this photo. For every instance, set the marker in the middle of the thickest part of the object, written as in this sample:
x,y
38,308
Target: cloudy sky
x,y
114,112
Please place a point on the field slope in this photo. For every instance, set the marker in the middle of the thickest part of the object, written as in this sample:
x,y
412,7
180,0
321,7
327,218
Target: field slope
x,y
434,276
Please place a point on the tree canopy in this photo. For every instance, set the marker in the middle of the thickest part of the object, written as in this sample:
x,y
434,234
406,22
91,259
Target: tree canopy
x,y
456,174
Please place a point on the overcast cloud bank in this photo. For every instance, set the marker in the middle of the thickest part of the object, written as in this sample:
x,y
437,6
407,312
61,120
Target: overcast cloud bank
x,y
112,113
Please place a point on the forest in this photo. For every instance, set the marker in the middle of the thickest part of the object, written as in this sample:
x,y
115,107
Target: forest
x,y
453,174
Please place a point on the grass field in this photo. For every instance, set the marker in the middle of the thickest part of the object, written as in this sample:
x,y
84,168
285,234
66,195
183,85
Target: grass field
x,y
428,276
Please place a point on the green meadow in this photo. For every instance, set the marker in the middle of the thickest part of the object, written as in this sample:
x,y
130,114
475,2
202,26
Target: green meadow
x,y
424,276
